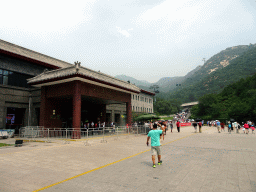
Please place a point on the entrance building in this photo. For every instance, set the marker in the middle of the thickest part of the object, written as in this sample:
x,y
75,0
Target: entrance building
x,y
36,89
80,94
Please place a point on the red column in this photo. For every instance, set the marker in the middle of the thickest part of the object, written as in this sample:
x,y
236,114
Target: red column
x,y
43,107
77,110
129,113
103,113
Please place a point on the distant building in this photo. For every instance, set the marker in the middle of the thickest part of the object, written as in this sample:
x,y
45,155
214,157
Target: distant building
x,y
143,102
187,106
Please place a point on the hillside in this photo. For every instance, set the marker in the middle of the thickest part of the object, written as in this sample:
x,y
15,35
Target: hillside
x,y
133,80
165,83
220,70
218,73
168,83
236,101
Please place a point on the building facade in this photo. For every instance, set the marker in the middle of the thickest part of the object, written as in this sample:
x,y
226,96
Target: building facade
x,y
143,102
36,89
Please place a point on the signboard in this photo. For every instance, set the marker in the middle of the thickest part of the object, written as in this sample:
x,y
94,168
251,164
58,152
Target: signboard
x,y
10,118
185,124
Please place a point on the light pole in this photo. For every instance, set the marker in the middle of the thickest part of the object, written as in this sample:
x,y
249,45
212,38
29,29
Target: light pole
x,y
203,60
155,87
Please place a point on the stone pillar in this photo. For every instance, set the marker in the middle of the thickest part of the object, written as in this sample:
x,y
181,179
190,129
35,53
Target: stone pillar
x,y
129,113
103,113
112,116
77,110
2,115
30,106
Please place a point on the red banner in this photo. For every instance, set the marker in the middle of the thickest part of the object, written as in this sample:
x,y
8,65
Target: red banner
x,y
185,124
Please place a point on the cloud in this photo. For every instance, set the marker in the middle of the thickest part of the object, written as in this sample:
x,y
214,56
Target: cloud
x,y
45,16
124,32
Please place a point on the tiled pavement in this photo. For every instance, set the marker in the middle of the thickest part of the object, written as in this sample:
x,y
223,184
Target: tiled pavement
x,y
209,161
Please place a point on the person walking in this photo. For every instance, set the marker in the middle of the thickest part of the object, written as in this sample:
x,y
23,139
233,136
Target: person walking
x,y
246,126
243,127
253,127
200,126
235,125
154,135
218,126
195,126
229,127
222,125
238,127
178,126
171,125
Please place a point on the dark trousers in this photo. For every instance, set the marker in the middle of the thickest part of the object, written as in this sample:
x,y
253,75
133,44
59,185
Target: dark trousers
x,y
178,128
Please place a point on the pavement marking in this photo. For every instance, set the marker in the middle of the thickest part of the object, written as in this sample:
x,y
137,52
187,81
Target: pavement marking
x,y
106,165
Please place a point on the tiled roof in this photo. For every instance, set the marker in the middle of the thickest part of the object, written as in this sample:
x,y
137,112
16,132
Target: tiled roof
x,y
84,73
147,92
21,51
65,69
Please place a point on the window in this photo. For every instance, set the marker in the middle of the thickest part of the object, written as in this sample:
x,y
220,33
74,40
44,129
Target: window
x,y
136,97
133,108
133,97
141,109
1,76
5,77
14,79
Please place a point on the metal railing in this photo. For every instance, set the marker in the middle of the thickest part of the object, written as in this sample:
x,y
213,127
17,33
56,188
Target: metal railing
x,y
39,132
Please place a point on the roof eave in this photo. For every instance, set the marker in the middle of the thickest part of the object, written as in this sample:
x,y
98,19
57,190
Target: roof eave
x,y
28,59
81,76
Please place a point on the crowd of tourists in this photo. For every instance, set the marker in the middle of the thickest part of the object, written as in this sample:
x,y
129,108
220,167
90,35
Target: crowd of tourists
x,y
158,130
233,126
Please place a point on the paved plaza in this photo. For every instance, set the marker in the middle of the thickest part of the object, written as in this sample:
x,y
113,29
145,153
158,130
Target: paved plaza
x,y
208,161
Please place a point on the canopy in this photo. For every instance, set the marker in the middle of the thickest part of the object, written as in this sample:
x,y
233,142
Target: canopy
x,y
146,117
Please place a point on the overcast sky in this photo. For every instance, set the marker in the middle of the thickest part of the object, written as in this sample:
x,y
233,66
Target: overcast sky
x,y
145,39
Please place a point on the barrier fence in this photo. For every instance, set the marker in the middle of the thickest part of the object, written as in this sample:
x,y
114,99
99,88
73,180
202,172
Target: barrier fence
x,y
38,132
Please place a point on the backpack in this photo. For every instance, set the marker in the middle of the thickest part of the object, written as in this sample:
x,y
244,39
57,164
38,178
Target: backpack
x,y
239,126
229,125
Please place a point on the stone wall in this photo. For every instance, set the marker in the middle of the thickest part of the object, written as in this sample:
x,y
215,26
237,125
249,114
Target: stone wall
x,y
113,109
17,97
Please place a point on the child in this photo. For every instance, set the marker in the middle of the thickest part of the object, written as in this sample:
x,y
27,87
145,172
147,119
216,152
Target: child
x,y
253,128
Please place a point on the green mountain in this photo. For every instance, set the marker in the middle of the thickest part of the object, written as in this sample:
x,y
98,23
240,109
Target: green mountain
x,y
133,80
222,69
168,83
236,101
165,84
